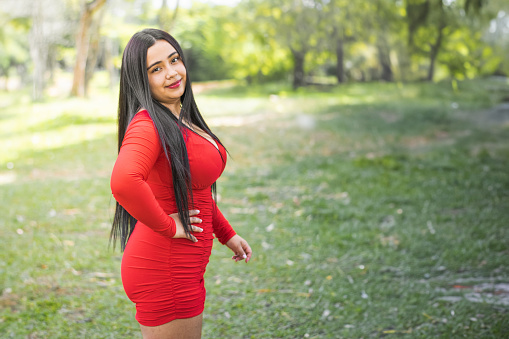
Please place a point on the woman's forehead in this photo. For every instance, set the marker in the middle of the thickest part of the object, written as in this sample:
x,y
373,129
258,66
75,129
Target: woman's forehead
x,y
159,51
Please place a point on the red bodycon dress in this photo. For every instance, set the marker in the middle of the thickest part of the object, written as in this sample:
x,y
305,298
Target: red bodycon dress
x,y
161,275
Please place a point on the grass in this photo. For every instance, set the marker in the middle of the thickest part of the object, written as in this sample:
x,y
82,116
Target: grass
x,y
374,210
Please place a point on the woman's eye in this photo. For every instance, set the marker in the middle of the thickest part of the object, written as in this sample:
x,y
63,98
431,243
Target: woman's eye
x,y
155,69
174,60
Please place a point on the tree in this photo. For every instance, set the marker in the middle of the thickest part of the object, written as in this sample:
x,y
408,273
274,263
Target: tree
x,y
38,50
385,25
46,25
165,20
83,45
341,32
431,22
93,51
426,28
14,49
494,58
295,25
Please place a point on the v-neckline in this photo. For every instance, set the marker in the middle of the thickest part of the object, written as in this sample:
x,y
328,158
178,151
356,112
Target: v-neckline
x,y
216,146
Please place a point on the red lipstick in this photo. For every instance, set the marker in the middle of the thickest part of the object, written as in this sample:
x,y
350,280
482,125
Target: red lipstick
x,y
176,84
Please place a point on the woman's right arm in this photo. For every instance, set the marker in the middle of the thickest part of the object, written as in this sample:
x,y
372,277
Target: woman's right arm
x,y
140,149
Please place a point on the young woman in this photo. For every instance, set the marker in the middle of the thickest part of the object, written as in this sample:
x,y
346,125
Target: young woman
x,y
163,181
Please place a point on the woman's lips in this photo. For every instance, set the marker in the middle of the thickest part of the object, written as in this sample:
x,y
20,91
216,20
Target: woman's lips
x,y
175,84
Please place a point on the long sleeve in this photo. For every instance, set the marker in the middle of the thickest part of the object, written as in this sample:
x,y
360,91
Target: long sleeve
x,y
140,149
222,228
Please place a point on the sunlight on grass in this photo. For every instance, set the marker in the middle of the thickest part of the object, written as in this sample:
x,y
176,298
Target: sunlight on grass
x,y
43,126
372,209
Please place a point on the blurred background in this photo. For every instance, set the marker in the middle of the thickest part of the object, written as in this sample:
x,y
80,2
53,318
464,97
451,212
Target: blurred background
x,y
306,42
368,164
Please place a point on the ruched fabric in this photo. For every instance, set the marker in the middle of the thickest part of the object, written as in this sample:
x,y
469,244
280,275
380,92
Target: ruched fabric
x,y
161,275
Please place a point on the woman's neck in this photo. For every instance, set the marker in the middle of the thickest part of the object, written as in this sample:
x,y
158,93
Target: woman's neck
x,y
174,108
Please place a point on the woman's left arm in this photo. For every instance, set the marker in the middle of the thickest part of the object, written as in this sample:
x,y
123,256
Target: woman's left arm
x,y
227,236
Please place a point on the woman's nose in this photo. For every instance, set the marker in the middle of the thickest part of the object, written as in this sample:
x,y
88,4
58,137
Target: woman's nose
x,y
171,73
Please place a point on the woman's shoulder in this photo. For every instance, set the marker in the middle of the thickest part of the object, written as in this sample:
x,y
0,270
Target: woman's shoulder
x,y
142,117
141,120
142,129
142,114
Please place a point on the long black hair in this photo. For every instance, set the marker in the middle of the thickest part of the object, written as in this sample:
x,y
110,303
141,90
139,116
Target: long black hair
x,y
134,95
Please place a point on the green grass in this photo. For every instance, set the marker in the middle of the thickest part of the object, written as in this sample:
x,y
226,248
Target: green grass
x,y
374,210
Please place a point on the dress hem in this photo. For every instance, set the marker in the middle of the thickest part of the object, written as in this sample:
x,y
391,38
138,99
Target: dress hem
x,y
168,319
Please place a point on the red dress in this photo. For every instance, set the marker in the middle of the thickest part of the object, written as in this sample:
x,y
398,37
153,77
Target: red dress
x,y
161,275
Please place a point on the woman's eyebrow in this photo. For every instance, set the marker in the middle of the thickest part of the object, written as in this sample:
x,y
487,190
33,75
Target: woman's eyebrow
x,y
155,63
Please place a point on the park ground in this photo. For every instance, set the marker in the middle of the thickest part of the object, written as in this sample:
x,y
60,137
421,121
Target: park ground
x,y
373,210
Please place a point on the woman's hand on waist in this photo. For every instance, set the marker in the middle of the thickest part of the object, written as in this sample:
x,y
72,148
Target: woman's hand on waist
x,y
179,227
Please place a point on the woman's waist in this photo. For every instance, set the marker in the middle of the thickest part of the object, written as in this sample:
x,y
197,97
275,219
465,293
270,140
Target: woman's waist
x,y
167,193
203,203
156,184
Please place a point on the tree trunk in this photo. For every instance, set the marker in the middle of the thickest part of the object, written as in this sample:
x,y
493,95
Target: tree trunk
x,y
94,49
164,20
6,80
340,60
82,46
434,51
52,63
417,14
298,68
38,51
108,63
174,18
162,16
404,63
384,58
23,74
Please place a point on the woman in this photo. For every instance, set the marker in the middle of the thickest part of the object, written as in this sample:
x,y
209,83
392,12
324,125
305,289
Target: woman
x,y
163,181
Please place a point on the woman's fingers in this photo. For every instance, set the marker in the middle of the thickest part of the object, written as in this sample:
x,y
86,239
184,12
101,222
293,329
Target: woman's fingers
x,y
197,229
243,251
195,220
238,257
240,248
180,232
239,253
194,229
248,251
193,212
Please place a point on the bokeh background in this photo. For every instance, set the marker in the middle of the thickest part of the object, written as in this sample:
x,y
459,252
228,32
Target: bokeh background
x,y
368,164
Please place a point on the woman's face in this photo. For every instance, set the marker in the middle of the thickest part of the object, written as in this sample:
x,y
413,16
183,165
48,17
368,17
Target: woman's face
x,y
166,74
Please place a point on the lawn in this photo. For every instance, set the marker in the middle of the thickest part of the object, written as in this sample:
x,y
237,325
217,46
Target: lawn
x,y
373,210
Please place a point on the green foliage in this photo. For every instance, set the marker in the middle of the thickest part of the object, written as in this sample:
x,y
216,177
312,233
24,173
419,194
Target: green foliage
x,y
13,45
205,35
261,41
465,49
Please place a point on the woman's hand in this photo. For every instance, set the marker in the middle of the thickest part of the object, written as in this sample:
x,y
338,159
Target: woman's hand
x,y
240,248
179,227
